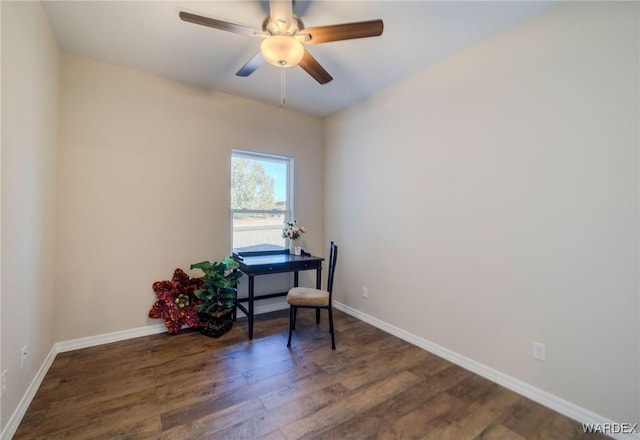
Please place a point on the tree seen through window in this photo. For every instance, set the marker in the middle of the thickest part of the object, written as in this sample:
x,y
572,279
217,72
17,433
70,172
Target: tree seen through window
x,y
259,200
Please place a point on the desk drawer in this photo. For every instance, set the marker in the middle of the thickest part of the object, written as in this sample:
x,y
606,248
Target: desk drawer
x,y
277,268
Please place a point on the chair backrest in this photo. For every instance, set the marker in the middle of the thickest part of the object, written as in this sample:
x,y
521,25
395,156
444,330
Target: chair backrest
x,y
333,257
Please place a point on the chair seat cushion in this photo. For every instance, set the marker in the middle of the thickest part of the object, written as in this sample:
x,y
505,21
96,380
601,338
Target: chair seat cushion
x,y
304,296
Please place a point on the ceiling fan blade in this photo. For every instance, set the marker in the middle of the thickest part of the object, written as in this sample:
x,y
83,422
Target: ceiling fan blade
x,y
219,24
313,68
346,31
251,66
281,11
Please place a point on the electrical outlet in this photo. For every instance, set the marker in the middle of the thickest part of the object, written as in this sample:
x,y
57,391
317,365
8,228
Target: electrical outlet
x,y
23,357
539,351
365,292
3,389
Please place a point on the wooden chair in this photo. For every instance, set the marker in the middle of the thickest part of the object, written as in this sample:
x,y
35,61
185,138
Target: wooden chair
x,y
314,299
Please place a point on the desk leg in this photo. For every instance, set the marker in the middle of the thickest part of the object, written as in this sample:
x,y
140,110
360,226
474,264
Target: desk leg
x,y
319,278
250,317
318,286
235,301
295,278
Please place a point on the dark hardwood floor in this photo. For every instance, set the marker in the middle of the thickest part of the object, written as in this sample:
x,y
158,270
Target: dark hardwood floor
x,y
191,386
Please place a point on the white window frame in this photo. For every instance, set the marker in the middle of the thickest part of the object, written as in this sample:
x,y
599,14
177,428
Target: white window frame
x,y
288,212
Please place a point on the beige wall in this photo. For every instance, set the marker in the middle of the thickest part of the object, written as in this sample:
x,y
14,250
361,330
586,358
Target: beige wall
x,y
144,186
492,200
30,61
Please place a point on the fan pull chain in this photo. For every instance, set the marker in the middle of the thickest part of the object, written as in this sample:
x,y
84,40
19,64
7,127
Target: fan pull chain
x,y
282,89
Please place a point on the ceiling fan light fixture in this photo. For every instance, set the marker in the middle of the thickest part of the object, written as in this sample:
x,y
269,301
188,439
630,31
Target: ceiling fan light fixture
x,y
282,50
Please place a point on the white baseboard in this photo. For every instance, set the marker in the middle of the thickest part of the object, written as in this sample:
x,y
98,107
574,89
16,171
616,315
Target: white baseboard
x,y
549,400
106,338
268,308
14,421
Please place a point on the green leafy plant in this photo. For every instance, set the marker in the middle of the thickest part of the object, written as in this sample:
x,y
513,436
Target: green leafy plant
x,y
220,282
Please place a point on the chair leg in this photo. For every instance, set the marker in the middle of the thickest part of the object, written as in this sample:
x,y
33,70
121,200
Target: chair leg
x,y
295,314
317,316
291,323
333,338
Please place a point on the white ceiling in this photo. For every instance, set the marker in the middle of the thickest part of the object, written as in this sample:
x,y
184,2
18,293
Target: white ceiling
x,y
149,36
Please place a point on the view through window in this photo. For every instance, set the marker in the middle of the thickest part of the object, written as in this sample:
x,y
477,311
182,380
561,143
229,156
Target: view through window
x,y
260,202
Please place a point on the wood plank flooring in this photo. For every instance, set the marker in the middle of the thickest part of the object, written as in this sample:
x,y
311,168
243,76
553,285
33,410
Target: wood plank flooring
x,y
191,386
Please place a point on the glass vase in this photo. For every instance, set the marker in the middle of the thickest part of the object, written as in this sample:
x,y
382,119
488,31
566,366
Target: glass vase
x,y
294,247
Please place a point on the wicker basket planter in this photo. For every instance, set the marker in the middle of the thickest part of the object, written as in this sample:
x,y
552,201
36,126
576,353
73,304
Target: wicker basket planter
x,y
217,323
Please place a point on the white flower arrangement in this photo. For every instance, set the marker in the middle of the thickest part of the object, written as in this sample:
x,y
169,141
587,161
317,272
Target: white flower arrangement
x,y
292,231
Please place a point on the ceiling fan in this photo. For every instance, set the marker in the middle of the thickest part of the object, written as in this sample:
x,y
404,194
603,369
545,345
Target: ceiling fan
x,y
284,37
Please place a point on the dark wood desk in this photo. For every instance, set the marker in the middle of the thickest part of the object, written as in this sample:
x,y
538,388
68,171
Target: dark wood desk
x,y
270,262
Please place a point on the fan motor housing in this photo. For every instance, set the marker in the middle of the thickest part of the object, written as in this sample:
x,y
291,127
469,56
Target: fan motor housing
x,y
271,27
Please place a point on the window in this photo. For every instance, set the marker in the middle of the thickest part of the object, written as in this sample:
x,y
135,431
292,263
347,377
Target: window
x,y
260,200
